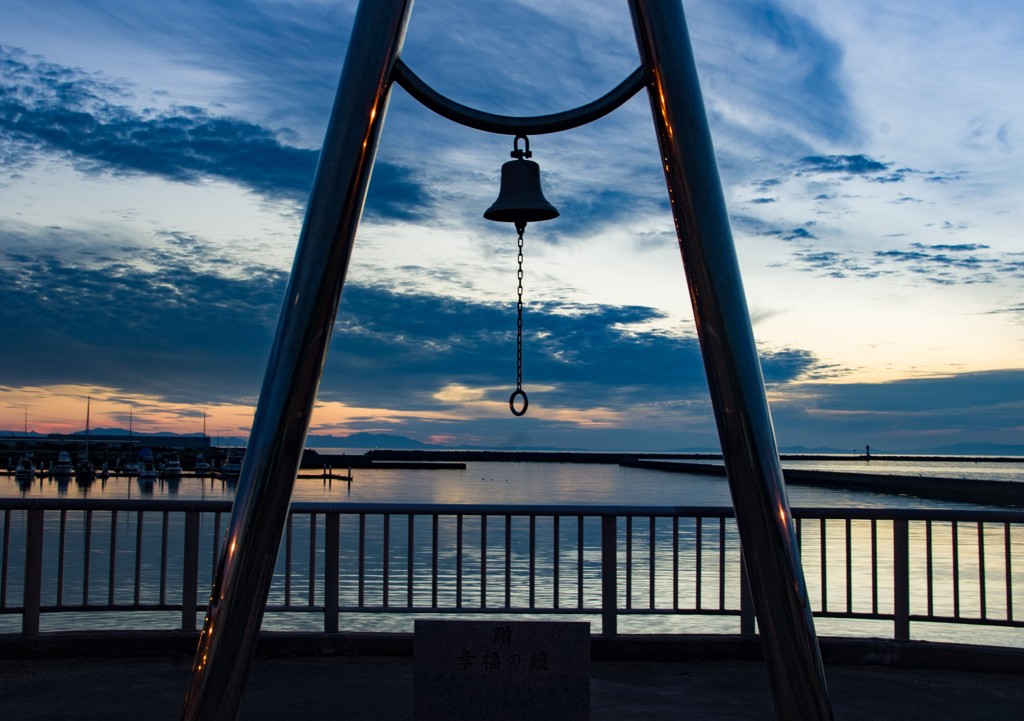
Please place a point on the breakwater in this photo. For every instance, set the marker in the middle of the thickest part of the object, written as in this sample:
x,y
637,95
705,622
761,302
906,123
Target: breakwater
x,y
963,490
1003,493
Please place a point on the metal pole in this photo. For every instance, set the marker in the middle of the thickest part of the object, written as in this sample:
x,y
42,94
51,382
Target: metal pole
x,y
246,566
730,360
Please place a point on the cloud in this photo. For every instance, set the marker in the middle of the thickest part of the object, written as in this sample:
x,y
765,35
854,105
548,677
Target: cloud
x,y
46,108
938,264
865,168
60,110
950,264
858,165
273,63
403,348
1013,310
785,366
982,133
911,413
596,208
833,264
118,326
398,350
846,164
801,233
395,194
129,323
773,82
812,158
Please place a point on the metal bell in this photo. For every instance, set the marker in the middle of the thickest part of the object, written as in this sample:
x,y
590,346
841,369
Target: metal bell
x,y
520,199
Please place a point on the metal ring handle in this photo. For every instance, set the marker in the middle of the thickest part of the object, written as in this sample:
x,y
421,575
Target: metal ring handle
x,y
512,402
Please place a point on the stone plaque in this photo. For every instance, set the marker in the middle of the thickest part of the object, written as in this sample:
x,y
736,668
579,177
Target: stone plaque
x,y
501,670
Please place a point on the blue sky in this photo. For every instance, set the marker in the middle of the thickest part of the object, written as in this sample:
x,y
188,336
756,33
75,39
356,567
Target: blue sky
x,y
157,157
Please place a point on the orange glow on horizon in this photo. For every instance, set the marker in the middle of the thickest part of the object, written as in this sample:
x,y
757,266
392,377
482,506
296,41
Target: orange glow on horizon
x,y
62,408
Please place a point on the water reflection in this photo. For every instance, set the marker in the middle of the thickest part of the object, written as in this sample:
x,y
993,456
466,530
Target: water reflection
x,y
682,568
468,562
504,483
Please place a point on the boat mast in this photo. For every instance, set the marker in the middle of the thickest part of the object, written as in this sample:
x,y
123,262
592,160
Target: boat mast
x,y
88,402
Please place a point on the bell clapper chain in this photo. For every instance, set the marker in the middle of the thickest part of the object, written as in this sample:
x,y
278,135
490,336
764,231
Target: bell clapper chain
x,y
520,229
520,201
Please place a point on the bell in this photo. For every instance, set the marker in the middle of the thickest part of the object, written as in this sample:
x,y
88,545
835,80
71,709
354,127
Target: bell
x,y
520,199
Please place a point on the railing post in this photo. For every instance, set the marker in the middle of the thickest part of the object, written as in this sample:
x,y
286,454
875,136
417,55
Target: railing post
x,y
609,576
746,601
33,572
901,579
190,572
332,547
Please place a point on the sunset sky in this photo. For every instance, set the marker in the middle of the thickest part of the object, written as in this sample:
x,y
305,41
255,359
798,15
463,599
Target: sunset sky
x,y
156,159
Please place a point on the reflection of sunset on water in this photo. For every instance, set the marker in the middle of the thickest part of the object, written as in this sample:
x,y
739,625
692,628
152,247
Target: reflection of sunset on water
x,y
864,585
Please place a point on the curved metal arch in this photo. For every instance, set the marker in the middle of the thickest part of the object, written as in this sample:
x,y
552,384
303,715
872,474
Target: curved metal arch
x,y
512,125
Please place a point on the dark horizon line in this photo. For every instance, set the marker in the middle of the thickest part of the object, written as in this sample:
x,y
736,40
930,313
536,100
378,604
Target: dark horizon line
x,y
962,451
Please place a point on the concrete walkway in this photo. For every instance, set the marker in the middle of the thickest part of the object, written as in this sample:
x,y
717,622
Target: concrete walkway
x,y
374,687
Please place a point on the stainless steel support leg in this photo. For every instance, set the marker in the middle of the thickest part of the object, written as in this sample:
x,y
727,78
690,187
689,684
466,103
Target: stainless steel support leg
x,y
253,535
730,359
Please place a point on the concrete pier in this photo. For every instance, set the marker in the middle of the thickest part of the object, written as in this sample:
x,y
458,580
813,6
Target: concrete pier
x,y
367,688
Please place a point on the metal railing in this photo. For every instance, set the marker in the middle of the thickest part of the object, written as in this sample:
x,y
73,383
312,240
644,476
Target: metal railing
x,y
339,561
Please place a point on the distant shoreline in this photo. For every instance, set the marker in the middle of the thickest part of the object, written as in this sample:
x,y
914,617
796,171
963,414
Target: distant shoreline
x,y
618,457
985,492
963,490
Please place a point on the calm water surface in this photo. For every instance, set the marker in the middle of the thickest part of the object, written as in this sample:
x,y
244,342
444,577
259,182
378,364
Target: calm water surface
x,y
532,483
560,484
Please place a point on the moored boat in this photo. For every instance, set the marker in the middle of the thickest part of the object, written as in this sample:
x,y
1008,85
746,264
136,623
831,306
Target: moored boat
x,y
203,467
147,467
85,472
172,468
131,468
25,471
63,469
232,467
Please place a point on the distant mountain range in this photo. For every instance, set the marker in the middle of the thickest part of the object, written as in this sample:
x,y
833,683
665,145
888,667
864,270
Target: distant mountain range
x,y
362,441
368,440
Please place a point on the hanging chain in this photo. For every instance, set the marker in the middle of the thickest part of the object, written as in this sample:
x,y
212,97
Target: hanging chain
x,y
519,318
520,227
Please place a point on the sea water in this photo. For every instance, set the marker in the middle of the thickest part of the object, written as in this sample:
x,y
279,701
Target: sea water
x,y
525,483
532,483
